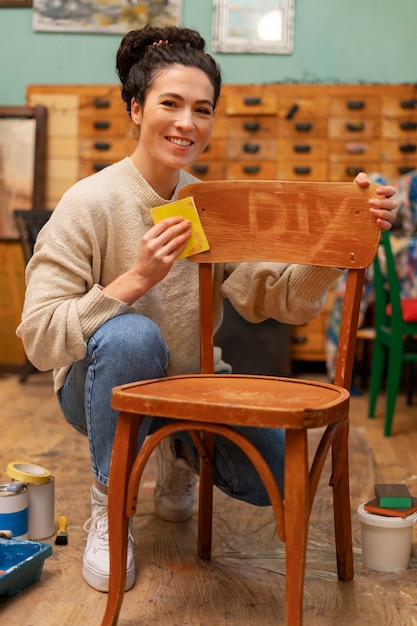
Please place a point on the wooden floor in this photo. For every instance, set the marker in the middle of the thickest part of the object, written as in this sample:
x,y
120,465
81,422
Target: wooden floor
x,y
243,585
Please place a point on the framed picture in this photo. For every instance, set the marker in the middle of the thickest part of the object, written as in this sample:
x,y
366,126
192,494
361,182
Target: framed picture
x,y
254,26
22,163
104,16
16,3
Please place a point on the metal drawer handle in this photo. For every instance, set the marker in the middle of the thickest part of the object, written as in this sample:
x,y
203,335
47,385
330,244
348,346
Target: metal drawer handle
x,y
409,104
252,101
355,105
251,169
299,339
298,169
408,147
355,127
251,126
408,125
353,171
200,169
100,166
303,126
102,145
292,111
101,104
101,124
252,148
405,169
302,147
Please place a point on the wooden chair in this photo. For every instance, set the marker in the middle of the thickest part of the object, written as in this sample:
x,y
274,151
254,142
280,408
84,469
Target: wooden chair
x,y
325,224
396,335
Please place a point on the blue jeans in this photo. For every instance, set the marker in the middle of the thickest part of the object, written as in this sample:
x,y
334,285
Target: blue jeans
x,y
128,348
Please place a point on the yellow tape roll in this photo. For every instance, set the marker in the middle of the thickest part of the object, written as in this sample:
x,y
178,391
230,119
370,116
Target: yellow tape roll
x,y
27,473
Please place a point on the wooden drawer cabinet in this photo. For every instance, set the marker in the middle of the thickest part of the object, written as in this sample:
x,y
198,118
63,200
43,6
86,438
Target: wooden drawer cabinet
x,y
282,131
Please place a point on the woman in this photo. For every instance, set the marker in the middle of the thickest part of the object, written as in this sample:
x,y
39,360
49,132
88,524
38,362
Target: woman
x,y
107,303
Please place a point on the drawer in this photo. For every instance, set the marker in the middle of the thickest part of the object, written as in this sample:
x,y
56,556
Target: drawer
x,y
293,108
356,105
346,172
302,151
207,170
220,128
308,340
264,150
354,151
250,100
316,171
103,101
399,128
55,189
252,128
215,151
66,147
391,170
399,151
108,149
104,125
302,130
354,128
86,167
249,170
400,105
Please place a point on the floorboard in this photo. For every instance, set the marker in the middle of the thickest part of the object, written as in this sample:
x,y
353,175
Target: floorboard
x,y
243,585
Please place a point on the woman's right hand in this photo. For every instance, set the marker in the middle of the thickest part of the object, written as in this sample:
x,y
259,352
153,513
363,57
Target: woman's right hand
x,y
158,249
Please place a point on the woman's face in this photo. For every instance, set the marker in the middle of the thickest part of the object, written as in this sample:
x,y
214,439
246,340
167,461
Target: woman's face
x,y
175,121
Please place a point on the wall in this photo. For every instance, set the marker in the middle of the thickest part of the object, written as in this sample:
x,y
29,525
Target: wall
x,y
335,41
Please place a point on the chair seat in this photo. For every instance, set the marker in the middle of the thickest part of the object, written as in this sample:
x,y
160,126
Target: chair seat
x,y
256,400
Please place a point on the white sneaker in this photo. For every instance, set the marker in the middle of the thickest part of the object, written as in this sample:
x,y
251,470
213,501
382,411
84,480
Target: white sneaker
x,y
174,491
96,560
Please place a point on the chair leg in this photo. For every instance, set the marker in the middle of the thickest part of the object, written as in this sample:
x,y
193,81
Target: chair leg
x,y
393,385
297,511
377,367
205,508
124,453
341,507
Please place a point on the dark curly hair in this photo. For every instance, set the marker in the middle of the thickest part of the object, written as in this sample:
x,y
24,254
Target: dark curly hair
x,y
139,59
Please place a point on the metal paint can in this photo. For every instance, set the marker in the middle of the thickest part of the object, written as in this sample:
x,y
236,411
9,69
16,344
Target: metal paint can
x,y
14,509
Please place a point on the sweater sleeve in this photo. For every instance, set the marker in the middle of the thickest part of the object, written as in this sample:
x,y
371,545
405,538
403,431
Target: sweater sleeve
x,y
64,304
292,294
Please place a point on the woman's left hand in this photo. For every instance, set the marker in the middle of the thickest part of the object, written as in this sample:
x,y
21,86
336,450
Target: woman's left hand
x,y
384,205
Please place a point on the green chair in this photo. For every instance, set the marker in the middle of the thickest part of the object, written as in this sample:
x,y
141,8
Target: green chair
x,y
395,337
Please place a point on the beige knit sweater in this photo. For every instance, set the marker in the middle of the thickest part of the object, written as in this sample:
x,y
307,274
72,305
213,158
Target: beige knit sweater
x,y
93,237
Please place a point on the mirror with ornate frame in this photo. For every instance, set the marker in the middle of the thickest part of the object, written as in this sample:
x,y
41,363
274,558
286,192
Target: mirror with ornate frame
x,y
254,26
22,163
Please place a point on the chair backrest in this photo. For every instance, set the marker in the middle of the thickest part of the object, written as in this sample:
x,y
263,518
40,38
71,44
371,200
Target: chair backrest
x,y
29,222
327,224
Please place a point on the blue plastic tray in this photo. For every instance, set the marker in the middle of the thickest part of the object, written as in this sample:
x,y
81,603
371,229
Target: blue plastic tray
x,y
21,563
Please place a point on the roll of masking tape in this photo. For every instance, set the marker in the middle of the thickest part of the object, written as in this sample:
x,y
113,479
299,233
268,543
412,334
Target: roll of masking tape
x,y
28,473
41,497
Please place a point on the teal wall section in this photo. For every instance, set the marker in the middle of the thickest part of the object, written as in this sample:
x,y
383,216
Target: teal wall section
x,y
335,41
